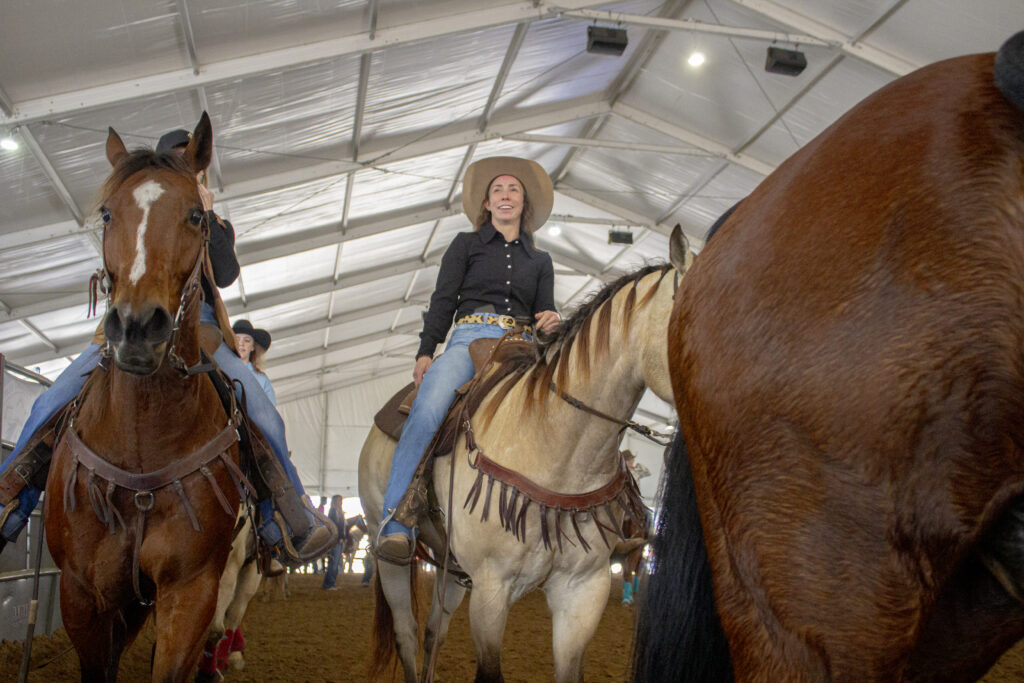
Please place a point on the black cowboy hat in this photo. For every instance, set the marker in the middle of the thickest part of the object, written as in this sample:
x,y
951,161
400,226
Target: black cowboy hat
x,y
260,336
176,138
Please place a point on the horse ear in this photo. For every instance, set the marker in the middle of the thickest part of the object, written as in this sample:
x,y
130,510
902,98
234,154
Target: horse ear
x,y
200,147
115,147
679,254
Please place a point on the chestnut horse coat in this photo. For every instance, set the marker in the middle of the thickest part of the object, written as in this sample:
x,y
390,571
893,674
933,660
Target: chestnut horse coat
x,y
847,360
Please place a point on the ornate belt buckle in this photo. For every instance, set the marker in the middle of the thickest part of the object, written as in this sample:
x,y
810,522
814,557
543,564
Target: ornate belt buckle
x,y
506,321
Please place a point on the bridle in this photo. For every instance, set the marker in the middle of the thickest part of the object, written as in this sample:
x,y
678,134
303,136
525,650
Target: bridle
x,y
101,283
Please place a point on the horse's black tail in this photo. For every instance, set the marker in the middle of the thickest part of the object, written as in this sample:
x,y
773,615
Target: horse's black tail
x,y
679,635
1009,70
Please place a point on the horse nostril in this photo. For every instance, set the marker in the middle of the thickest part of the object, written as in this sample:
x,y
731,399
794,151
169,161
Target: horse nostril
x,y
158,327
113,329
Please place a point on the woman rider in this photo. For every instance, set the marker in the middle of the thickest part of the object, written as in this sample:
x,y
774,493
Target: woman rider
x,y
19,492
488,278
253,343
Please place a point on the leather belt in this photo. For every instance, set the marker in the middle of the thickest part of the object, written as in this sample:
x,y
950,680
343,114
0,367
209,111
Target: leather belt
x,y
505,322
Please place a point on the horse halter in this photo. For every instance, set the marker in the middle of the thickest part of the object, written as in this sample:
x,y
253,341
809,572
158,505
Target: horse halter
x,y
101,283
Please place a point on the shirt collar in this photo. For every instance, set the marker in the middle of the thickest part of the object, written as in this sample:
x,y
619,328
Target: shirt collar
x,y
488,232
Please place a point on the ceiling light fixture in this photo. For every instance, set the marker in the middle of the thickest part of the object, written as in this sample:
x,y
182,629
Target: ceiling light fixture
x,y
696,59
620,236
603,40
785,62
9,143
554,230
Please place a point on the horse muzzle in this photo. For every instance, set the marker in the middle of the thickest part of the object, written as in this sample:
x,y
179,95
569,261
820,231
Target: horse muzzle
x,y
139,339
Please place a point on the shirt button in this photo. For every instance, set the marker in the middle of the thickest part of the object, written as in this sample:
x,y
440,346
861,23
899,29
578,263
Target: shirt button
x,y
508,282
508,255
510,267
506,300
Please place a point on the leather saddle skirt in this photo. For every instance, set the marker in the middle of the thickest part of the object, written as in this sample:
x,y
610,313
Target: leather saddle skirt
x,y
492,365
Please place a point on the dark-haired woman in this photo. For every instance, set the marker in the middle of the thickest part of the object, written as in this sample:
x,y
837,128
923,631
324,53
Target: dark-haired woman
x,y
488,278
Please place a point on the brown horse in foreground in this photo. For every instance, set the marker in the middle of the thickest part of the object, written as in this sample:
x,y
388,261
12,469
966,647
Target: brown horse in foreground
x,y
140,413
847,358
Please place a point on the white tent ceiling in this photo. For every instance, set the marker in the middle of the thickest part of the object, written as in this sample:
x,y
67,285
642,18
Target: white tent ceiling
x,y
342,129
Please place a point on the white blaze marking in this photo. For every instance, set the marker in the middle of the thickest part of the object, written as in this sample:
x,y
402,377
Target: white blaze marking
x,y
145,194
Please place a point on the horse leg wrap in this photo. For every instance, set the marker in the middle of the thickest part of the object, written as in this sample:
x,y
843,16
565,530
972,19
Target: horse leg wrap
x,y
1003,550
223,650
238,641
208,664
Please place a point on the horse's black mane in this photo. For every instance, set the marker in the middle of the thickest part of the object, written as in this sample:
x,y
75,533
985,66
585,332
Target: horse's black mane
x,y
141,159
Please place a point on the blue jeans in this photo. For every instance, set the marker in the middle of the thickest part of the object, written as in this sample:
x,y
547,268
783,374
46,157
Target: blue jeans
x,y
437,392
64,389
333,562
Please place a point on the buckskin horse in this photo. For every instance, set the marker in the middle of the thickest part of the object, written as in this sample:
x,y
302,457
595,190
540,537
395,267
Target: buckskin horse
x,y
847,359
540,501
149,456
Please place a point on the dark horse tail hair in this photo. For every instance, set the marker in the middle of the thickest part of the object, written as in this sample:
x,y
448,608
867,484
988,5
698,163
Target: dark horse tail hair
x,y
383,648
679,635
1009,70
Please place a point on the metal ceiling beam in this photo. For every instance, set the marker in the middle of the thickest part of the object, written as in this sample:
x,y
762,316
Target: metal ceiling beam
x,y
76,344
298,395
409,328
6,105
311,239
256,251
377,354
371,367
56,106
357,119
874,56
410,146
586,220
694,26
632,217
717,149
623,80
395,148
373,9
190,38
499,81
58,184
607,144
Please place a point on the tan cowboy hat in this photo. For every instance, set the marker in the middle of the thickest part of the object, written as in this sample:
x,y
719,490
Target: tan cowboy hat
x,y
539,191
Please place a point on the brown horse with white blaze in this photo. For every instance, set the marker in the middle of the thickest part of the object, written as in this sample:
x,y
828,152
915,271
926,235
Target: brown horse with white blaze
x,y
140,416
847,360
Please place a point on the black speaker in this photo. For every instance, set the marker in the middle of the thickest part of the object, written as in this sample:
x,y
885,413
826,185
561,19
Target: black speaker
x,y
785,62
620,237
602,40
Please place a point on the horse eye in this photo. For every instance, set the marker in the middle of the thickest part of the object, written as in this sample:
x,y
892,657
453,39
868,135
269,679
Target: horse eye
x,y
105,215
195,216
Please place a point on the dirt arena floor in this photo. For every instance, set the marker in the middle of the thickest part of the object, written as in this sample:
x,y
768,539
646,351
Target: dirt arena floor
x,y
317,635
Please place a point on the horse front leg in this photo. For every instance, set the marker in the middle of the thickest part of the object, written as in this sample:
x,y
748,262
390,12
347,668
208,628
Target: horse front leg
x,y
395,582
441,615
183,613
576,605
99,637
489,602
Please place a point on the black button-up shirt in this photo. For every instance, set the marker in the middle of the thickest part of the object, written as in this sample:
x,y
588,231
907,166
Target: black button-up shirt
x,y
482,270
